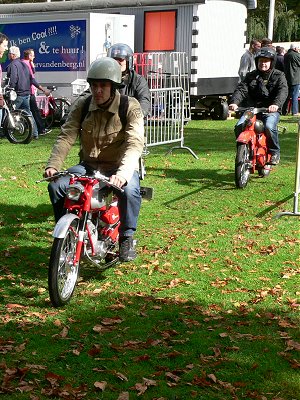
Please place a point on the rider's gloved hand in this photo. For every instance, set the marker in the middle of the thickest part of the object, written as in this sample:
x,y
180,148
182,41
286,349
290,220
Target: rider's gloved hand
x,y
117,180
273,108
49,172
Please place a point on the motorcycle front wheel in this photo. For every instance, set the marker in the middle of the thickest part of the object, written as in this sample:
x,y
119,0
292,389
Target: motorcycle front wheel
x,y
242,160
20,129
62,273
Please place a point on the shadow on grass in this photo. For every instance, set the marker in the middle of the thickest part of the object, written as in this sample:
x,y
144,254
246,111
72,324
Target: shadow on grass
x,y
19,224
188,350
202,140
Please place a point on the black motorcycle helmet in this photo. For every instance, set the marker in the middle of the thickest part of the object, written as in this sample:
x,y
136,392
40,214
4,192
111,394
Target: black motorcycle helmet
x,y
266,52
121,50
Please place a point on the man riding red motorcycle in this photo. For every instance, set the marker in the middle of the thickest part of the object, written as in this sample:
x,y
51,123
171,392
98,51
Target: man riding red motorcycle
x,y
263,87
106,145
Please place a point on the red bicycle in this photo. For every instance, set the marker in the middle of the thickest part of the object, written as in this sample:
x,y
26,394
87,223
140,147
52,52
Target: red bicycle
x,y
54,110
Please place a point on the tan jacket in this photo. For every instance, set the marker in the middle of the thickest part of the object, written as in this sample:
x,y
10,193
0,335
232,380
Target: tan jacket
x,y
105,145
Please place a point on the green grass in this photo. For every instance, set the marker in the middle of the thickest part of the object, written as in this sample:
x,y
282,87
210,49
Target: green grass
x,y
209,310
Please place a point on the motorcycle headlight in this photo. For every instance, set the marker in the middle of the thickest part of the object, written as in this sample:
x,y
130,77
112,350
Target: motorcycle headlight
x,y
248,115
13,95
258,126
74,191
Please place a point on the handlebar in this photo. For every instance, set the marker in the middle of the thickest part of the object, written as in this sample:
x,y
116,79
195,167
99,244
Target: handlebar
x,y
52,88
255,110
56,176
97,175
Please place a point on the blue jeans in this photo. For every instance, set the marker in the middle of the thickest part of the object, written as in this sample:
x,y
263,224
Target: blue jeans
x,y
270,121
294,94
23,103
129,200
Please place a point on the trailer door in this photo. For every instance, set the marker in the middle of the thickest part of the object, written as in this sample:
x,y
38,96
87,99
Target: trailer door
x,y
160,30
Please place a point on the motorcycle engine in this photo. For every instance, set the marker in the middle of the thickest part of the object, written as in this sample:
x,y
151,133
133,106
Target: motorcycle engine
x,y
93,233
99,245
97,199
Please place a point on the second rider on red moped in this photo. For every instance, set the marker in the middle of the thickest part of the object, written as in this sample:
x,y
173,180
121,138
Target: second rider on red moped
x,y
263,87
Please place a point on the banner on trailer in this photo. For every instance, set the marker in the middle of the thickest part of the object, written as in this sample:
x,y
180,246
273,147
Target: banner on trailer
x,y
58,45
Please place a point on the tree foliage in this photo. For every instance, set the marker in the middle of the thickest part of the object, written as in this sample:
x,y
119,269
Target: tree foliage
x,y
286,21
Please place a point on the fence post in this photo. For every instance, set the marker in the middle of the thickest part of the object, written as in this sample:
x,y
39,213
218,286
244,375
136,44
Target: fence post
x,y
295,211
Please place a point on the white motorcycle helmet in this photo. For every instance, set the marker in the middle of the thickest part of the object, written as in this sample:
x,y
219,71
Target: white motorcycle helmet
x,y
105,69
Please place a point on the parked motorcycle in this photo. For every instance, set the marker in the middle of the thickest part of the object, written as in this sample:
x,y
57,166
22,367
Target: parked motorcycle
x,y
252,150
17,125
89,231
53,109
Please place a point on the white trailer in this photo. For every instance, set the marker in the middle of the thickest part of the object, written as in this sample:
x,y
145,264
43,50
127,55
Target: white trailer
x,y
211,32
66,45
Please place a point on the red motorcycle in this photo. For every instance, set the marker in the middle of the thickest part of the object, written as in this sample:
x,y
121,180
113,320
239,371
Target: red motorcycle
x,y
252,150
89,231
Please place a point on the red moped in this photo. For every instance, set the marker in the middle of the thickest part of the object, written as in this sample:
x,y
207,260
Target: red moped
x,y
88,232
252,150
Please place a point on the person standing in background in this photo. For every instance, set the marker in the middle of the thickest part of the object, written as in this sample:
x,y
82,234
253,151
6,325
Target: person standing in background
x,y
266,42
3,49
292,73
28,60
247,63
280,58
20,81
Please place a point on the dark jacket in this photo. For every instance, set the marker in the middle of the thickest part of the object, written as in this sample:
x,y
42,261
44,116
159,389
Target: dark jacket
x,y
135,85
280,62
292,67
20,77
259,93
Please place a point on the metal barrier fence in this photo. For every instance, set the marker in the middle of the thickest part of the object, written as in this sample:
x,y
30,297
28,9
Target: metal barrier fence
x,y
295,211
165,70
165,124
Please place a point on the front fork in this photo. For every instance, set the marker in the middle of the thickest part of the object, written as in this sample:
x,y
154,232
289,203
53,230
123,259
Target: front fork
x,y
81,234
252,153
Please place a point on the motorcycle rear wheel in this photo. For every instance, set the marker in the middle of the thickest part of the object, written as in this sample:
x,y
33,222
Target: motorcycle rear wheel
x,y
22,132
62,110
62,273
48,120
242,171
